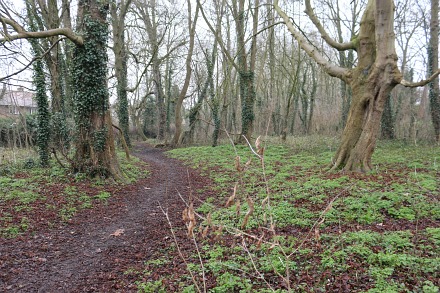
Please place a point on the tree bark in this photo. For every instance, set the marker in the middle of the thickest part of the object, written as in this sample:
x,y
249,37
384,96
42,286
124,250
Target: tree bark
x,y
246,71
120,52
178,112
95,150
434,91
373,79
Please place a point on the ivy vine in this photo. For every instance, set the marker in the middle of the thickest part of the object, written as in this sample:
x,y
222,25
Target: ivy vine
x,y
90,73
43,115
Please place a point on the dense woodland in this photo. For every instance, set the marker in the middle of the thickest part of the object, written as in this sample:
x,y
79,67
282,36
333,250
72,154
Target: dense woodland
x,y
192,72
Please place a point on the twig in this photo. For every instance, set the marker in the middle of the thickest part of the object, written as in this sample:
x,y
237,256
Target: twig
x,y
261,276
250,146
201,262
178,248
32,61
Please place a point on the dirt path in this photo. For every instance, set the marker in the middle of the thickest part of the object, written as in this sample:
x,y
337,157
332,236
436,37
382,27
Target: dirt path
x,y
88,254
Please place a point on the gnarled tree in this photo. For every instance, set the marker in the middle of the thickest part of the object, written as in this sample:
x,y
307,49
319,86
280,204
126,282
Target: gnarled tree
x,y
371,81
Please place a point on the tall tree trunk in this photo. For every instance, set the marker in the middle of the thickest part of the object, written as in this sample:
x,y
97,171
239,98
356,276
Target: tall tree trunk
x,y
95,150
44,16
180,99
434,91
120,52
151,27
246,72
43,118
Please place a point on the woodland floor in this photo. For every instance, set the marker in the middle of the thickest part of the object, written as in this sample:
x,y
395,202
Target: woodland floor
x,y
93,251
125,244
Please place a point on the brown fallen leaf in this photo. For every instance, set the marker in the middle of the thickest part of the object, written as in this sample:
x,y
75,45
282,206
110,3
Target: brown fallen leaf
x,y
118,232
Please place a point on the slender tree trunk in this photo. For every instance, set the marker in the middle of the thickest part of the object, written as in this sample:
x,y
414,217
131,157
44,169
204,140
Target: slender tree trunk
x,y
246,72
151,27
120,52
180,99
434,91
43,116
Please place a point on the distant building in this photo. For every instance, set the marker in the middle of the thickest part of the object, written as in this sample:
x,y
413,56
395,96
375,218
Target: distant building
x,y
14,103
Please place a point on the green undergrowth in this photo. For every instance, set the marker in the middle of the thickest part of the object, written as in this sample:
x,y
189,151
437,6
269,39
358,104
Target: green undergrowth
x,y
30,194
375,232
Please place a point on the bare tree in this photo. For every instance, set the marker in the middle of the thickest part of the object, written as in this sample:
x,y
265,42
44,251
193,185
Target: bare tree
x,y
371,81
178,112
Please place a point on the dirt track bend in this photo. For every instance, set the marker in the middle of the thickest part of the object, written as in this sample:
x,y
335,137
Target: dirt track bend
x,y
84,256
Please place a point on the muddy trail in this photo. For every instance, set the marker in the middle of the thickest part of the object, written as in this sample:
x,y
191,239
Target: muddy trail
x,y
93,251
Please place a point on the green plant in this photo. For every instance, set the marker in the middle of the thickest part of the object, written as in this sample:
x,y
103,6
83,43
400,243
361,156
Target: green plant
x,y
228,282
359,230
103,195
151,287
429,287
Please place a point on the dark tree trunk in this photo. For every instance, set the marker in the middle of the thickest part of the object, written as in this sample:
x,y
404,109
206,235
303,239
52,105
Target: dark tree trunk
x,y
387,123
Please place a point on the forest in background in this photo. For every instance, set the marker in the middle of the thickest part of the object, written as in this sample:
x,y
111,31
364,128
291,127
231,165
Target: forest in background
x,y
191,72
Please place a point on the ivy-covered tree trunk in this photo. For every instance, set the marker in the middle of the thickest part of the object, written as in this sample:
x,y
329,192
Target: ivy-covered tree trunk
x,y
95,151
43,117
246,72
215,101
388,121
44,15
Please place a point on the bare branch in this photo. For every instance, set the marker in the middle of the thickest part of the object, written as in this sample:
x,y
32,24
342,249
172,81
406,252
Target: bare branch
x,y
420,83
21,33
331,69
331,42
218,37
32,61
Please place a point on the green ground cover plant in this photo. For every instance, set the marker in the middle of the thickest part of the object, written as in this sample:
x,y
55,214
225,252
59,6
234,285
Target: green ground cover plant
x,y
32,196
308,230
